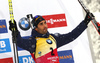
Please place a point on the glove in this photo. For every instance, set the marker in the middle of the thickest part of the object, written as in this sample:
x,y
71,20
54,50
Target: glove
x,y
88,18
13,25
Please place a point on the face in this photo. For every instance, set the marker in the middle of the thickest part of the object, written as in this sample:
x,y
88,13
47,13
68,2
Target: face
x,y
42,27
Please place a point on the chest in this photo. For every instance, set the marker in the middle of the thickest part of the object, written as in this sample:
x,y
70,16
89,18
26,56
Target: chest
x,y
44,45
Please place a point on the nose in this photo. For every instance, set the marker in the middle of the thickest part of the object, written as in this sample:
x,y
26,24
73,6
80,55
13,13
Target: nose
x,y
44,24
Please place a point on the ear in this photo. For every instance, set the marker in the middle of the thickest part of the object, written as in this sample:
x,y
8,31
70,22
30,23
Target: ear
x,y
36,29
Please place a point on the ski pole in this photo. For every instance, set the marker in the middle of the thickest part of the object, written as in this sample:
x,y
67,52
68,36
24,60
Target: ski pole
x,y
13,32
94,22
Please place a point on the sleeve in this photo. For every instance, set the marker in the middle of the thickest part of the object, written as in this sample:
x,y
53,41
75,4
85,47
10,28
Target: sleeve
x,y
27,44
63,39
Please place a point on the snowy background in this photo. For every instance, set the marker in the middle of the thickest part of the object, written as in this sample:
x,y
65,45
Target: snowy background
x,y
94,7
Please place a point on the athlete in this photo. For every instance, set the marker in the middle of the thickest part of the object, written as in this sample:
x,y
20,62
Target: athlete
x,y
44,44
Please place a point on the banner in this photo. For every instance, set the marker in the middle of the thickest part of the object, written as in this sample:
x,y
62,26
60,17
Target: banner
x,y
61,16
66,56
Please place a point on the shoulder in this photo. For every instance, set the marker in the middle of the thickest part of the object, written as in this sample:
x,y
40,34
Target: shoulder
x,y
55,34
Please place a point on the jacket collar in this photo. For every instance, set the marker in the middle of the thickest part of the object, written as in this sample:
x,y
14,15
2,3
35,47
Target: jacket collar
x,y
36,34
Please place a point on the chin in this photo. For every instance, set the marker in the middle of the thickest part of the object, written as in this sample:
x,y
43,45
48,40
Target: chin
x,y
45,32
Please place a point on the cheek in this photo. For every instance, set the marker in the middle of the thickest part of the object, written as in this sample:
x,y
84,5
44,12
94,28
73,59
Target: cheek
x,y
40,28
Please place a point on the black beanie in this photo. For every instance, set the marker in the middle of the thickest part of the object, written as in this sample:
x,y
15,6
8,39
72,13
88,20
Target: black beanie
x,y
36,20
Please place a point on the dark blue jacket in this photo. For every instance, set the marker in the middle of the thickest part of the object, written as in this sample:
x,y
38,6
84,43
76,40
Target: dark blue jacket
x,y
62,39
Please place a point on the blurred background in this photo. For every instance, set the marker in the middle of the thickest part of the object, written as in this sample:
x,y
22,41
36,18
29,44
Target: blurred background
x,y
94,7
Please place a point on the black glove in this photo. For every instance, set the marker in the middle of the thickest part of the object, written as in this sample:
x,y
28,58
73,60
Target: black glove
x,y
13,26
88,18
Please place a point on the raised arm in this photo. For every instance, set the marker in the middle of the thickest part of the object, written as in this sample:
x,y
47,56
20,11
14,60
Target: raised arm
x,y
63,39
69,37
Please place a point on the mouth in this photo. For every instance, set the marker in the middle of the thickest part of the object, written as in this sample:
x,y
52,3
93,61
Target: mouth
x,y
45,29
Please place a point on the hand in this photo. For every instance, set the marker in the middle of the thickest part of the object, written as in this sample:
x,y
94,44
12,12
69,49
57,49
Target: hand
x,y
13,26
88,18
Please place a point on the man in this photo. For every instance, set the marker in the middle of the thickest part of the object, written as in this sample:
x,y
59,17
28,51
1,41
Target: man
x,y
43,44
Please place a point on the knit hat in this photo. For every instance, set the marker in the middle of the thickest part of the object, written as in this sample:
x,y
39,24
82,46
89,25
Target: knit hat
x,y
36,20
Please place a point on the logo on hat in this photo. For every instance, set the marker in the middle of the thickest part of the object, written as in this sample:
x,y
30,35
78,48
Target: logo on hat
x,y
37,18
24,23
